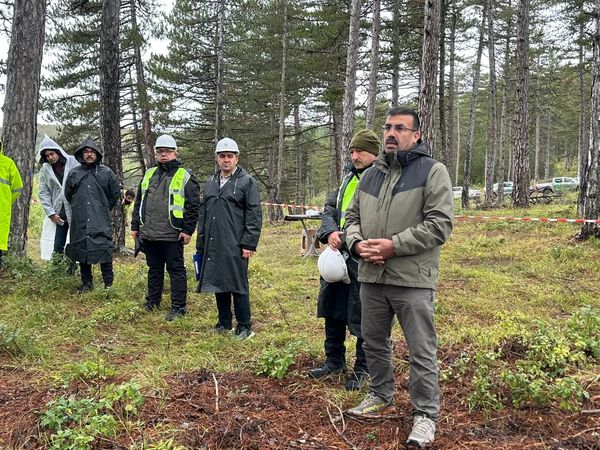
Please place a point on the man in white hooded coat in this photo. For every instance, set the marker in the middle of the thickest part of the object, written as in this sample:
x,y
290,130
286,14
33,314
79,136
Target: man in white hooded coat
x,y
56,165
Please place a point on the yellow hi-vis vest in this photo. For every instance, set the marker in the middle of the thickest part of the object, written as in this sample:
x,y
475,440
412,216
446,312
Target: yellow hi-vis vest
x,y
345,194
176,195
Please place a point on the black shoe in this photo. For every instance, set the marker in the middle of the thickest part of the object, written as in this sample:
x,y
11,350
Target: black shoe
x,y
325,370
243,333
356,381
85,287
174,314
222,329
151,306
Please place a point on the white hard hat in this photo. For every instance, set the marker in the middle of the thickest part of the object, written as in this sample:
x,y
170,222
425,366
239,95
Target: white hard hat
x,y
332,266
227,145
165,141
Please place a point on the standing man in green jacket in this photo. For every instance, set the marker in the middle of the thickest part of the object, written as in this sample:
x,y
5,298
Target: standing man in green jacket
x,y
164,218
399,218
339,303
11,186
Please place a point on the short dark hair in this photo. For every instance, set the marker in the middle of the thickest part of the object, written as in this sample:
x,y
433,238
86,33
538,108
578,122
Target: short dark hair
x,y
130,193
397,111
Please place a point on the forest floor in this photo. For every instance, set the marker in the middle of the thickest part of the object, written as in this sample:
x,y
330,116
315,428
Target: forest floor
x,y
518,318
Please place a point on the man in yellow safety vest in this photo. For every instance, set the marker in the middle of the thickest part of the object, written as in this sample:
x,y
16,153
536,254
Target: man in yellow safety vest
x,y
164,218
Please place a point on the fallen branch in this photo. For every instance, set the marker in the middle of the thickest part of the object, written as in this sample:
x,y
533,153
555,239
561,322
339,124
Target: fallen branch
x,y
346,440
585,431
216,393
341,414
590,411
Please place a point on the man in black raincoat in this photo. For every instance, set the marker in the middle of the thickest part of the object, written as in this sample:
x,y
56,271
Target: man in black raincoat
x,y
339,303
93,190
228,231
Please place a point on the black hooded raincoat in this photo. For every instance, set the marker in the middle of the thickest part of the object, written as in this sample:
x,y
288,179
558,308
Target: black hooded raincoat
x,y
92,192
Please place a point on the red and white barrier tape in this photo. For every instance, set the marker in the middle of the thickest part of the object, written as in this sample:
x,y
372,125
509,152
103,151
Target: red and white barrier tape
x,y
290,205
529,219
508,219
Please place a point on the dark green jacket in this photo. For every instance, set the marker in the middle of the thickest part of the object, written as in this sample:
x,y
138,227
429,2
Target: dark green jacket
x,y
405,197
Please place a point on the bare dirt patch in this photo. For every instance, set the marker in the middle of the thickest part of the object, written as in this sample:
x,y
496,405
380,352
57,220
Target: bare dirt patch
x,y
252,412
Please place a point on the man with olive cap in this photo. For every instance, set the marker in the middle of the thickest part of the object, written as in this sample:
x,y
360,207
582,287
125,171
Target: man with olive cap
x,y
228,231
339,303
164,218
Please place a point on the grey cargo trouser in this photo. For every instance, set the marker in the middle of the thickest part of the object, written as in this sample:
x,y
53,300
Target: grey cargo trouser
x,y
414,309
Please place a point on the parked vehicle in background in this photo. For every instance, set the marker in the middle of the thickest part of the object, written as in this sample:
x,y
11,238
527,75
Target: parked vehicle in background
x,y
474,194
558,184
508,188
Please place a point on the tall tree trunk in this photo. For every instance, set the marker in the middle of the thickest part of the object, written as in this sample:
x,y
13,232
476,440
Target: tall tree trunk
x,y
300,153
110,128
520,192
395,53
428,74
220,75
472,113
372,98
493,114
335,156
350,84
536,163
23,68
591,203
142,91
442,83
547,149
278,176
583,129
457,142
137,142
448,149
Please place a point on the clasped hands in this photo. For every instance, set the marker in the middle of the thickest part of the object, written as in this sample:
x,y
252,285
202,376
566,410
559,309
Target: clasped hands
x,y
375,251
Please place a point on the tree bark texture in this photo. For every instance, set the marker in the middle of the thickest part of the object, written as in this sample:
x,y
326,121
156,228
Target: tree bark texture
x,y
374,69
220,75
501,170
591,204
428,77
278,175
142,91
23,68
448,149
472,113
583,129
110,126
520,194
443,124
493,113
350,84
395,54
300,154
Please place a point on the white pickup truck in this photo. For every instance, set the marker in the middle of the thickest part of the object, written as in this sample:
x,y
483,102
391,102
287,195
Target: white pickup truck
x,y
557,184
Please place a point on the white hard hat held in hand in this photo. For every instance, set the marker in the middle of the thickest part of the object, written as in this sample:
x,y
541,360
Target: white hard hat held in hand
x,y
332,266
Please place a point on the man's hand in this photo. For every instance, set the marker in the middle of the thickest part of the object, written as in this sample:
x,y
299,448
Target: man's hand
x,y
135,234
185,238
375,251
246,254
55,218
334,240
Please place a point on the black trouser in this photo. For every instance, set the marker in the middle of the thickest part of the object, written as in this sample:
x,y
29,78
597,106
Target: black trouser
x,y
105,268
60,237
170,254
241,306
335,351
